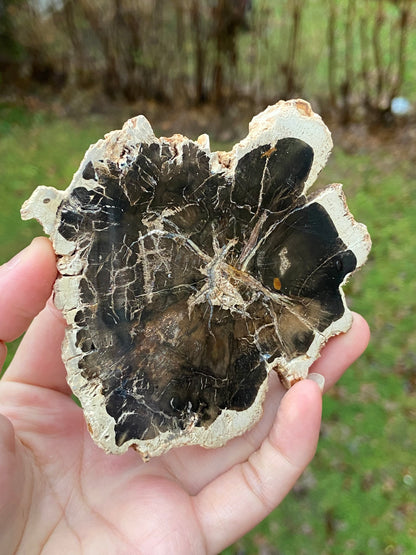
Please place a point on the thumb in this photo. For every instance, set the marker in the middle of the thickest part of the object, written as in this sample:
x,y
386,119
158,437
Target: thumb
x,y
236,501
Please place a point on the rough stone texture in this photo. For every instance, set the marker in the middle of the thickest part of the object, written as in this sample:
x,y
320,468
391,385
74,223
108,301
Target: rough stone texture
x,y
186,276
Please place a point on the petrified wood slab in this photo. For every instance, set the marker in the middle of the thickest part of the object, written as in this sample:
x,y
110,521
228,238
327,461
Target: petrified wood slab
x,y
187,276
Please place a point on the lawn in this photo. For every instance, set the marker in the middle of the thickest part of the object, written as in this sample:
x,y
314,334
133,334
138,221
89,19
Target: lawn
x,y
359,495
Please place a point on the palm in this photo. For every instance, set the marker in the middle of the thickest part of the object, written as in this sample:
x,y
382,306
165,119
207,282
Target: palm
x,y
78,499
84,497
77,487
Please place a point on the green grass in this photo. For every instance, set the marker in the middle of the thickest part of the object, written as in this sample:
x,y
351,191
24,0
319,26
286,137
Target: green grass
x,y
36,149
358,496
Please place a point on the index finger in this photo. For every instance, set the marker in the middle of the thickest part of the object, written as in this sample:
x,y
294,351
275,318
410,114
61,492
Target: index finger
x,y
25,285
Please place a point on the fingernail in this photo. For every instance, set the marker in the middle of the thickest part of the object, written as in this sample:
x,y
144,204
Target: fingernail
x,y
317,378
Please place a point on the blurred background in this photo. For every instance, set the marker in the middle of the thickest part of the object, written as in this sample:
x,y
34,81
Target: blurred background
x,y
72,70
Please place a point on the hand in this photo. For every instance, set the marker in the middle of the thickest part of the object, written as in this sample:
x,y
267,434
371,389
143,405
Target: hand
x,y
60,493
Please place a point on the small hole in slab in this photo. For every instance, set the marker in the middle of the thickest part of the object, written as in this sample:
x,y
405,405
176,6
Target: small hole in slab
x,y
46,200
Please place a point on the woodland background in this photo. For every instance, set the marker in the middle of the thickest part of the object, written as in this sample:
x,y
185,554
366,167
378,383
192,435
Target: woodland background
x,y
351,56
72,70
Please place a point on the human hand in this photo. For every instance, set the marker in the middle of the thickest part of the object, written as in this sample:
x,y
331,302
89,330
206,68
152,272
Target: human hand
x,y
60,493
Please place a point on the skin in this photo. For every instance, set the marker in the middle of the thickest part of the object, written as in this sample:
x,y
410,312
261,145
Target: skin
x,y
60,493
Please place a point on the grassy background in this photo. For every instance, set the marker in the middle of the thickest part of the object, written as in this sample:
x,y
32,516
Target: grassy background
x,y
359,495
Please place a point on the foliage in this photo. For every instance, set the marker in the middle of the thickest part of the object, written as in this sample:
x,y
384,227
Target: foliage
x,y
359,494
354,57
